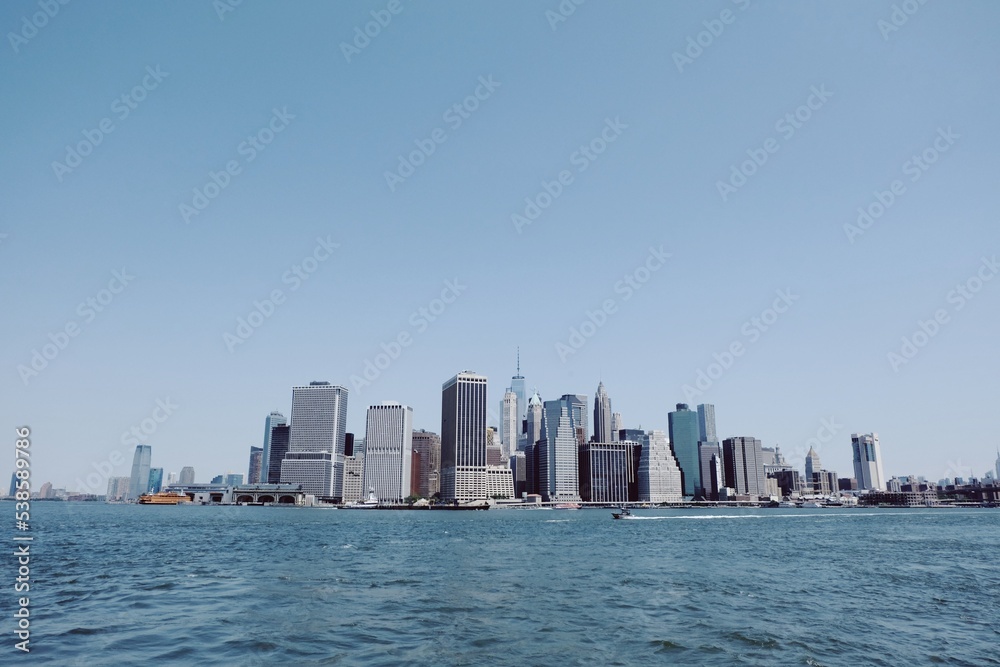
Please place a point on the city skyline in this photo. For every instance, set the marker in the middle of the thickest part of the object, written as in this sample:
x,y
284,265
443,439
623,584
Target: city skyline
x,y
769,268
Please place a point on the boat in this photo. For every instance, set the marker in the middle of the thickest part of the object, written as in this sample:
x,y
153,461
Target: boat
x,y
787,504
567,506
163,498
623,513
369,503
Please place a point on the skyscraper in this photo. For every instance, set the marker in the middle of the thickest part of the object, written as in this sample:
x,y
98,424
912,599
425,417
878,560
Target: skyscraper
x,y
463,437
155,480
710,469
535,419
706,423
562,431
607,471
684,436
139,480
517,386
659,475
616,425
389,452
744,466
812,464
117,489
354,478
998,465
13,484
429,446
272,420
868,468
315,457
256,464
510,423
280,435
580,413
603,426
186,476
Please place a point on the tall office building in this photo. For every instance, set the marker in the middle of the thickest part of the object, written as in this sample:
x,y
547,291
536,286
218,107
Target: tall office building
x,y
389,451
139,480
868,468
428,445
186,476
13,483
603,426
563,430
233,479
706,423
280,436
616,425
510,423
744,466
155,480
117,489
608,470
315,457
255,471
518,387
684,436
463,437
534,419
710,469
579,411
660,479
812,463
354,479
272,420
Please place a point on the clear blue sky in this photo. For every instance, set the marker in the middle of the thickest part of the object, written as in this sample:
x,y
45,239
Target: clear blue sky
x,y
656,184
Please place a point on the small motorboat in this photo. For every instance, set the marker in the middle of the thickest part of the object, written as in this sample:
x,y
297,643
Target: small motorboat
x,y
623,513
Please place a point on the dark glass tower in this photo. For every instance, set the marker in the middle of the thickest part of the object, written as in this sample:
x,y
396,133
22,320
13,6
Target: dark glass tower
x,y
684,435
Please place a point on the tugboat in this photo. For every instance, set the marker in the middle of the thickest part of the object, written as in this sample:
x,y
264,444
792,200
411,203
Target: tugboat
x,y
623,513
369,504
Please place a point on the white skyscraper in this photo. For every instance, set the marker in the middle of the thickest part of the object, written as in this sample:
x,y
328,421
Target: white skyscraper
x,y
659,474
602,415
560,439
463,437
389,452
868,468
510,423
315,457
616,425
535,418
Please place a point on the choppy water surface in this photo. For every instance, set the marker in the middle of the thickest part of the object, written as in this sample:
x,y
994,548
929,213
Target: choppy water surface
x,y
131,585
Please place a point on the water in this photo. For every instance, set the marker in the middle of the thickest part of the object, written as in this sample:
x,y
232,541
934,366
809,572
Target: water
x,y
132,585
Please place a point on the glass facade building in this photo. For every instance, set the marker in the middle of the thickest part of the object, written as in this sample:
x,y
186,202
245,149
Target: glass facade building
x,y
685,434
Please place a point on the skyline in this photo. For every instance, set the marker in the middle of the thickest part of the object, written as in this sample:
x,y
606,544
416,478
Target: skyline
x,y
592,122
